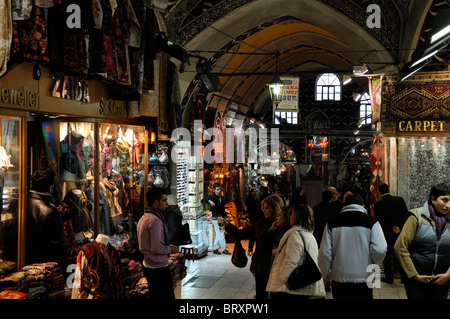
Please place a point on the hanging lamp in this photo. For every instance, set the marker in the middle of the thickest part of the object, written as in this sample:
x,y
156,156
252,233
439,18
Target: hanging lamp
x,y
276,85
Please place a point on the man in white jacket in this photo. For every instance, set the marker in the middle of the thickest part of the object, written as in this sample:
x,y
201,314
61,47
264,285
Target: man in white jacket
x,y
352,240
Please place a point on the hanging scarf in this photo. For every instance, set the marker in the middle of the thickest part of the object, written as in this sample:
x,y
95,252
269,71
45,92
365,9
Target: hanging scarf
x,y
160,215
441,220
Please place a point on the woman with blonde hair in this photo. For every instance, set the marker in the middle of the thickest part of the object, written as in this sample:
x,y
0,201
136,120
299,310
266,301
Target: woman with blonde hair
x,y
291,253
260,233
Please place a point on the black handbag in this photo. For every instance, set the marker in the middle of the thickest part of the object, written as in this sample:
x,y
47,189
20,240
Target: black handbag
x,y
185,234
305,274
239,258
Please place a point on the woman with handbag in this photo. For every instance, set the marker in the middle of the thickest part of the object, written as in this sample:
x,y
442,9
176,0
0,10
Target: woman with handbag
x,y
292,251
259,233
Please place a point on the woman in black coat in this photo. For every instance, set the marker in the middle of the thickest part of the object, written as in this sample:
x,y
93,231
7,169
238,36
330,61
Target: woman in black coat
x,y
260,233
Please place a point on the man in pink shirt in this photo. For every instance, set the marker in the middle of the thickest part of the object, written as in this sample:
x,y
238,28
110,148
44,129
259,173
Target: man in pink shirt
x,y
154,245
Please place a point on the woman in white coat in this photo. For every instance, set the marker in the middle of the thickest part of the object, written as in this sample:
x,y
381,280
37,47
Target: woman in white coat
x,y
291,253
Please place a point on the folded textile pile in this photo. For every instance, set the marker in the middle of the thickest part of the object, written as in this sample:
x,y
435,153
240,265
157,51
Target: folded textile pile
x,y
139,291
17,281
7,267
177,268
131,273
47,275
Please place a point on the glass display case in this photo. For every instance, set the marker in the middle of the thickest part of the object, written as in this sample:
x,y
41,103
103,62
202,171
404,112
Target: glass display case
x,y
195,186
10,191
193,211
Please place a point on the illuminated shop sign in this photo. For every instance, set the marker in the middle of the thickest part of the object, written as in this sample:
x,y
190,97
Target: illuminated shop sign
x,y
317,142
421,126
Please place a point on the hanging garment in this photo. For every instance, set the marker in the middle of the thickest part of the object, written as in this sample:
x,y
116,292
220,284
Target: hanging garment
x,y
30,37
73,155
105,225
21,9
134,39
97,275
64,209
112,194
6,34
121,33
79,208
44,3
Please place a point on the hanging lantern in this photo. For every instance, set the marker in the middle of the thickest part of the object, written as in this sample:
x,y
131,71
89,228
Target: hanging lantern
x,y
276,90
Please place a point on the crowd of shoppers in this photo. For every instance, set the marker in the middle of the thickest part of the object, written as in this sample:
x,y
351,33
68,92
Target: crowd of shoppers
x,y
345,241
339,234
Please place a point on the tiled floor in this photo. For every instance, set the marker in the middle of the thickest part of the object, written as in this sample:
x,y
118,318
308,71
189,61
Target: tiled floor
x,y
215,277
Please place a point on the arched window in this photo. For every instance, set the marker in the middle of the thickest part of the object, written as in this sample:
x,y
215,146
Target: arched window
x,y
365,109
328,87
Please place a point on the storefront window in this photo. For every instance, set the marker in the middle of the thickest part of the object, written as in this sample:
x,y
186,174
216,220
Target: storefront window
x,y
9,188
121,178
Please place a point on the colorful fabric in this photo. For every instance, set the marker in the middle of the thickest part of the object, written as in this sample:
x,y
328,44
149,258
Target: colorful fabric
x,y
47,274
375,90
72,248
441,221
376,171
6,30
414,100
97,275
7,267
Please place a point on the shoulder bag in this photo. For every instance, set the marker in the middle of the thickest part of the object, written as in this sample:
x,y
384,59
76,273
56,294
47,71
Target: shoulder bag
x,y
305,274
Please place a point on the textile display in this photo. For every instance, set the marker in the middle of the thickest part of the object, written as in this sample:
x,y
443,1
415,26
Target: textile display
x,y
131,272
414,100
47,274
16,281
376,170
375,92
177,267
40,280
7,267
5,34
30,39
139,291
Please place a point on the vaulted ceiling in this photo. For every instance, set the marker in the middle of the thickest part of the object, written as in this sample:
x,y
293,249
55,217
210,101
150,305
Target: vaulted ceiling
x,y
242,37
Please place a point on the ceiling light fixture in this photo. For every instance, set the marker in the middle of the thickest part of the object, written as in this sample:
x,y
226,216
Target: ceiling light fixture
x,y
346,79
276,85
360,69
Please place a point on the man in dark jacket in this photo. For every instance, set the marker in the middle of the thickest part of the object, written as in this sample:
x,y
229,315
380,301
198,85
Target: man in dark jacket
x,y
322,213
46,241
391,213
